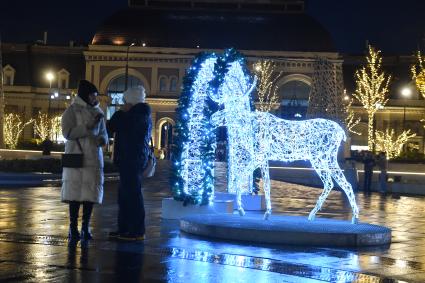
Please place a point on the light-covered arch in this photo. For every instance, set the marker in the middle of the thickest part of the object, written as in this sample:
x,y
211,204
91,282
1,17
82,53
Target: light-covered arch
x,y
294,93
119,72
295,77
159,125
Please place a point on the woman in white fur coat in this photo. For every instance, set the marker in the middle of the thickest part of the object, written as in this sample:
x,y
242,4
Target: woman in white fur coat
x,y
83,122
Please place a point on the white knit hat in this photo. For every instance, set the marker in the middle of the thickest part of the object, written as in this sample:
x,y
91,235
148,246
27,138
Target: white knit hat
x,y
135,95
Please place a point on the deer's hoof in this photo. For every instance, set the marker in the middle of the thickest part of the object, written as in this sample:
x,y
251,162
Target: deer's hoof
x,y
311,217
241,212
354,220
266,215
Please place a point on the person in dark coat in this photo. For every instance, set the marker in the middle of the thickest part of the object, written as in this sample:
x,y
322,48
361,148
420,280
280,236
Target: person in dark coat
x,y
132,127
382,163
369,163
47,146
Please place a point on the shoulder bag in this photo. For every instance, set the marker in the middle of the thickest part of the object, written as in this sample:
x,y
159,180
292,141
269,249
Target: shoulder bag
x,y
73,160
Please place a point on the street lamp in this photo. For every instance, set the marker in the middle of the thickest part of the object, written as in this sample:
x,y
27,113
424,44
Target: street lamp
x,y
126,66
406,92
50,77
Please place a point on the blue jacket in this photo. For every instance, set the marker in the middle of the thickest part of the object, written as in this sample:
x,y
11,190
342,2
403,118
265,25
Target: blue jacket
x,y
132,136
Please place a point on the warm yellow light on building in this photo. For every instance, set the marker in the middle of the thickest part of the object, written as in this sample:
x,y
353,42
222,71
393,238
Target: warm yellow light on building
x,y
118,41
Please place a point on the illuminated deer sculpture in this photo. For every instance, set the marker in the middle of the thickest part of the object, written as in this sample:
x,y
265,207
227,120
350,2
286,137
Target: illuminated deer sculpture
x,y
255,138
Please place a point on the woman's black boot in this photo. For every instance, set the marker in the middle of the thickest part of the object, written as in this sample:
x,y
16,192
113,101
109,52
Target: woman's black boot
x,y
74,207
85,227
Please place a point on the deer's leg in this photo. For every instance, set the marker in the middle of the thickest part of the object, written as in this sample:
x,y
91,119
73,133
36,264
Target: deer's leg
x,y
266,187
339,177
239,202
238,188
325,176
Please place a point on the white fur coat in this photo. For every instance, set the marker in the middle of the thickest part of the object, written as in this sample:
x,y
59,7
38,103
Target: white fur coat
x,y
83,184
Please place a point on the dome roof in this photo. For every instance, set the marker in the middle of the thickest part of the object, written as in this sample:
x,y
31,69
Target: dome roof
x,y
214,30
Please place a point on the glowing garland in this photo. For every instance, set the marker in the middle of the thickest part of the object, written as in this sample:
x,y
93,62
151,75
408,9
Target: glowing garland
x,y
231,74
255,138
193,180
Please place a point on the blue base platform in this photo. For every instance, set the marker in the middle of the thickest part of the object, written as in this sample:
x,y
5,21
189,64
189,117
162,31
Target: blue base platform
x,y
287,230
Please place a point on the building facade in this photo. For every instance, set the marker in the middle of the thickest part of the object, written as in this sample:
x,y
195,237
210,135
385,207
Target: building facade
x,y
152,43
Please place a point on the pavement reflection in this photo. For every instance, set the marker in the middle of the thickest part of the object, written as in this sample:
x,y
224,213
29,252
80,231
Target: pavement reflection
x,y
33,244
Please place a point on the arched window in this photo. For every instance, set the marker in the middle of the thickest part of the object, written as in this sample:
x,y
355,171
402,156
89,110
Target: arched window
x,y
163,84
166,138
63,78
9,75
116,89
294,96
173,84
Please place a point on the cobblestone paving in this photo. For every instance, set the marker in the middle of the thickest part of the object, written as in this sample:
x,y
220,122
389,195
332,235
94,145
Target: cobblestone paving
x,y
34,248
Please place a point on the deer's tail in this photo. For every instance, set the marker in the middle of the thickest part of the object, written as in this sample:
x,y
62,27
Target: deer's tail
x,y
342,133
344,136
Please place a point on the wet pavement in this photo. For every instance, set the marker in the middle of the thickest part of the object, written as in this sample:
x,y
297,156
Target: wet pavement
x,y
34,247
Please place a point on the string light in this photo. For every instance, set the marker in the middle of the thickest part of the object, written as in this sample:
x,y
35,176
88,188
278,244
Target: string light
x,y
255,138
350,119
45,126
193,180
390,143
266,87
372,88
12,129
418,73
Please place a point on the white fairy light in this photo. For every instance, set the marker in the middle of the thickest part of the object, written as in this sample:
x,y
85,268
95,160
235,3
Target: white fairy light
x,y
255,138
192,167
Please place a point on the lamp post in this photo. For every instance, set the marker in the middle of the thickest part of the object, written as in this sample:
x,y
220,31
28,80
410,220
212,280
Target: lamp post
x,y
406,92
49,77
126,67
57,96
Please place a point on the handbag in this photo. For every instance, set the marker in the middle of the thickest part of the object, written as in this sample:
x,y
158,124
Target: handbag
x,y
73,160
149,170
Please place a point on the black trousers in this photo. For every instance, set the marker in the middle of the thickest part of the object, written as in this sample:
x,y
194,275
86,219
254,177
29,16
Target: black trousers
x,y
131,213
367,180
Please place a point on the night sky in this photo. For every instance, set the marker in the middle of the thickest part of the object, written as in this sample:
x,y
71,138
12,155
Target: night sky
x,y
396,27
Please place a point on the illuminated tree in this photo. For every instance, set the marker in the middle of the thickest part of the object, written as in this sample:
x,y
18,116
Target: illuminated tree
x,y
42,126
2,100
266,86
418,73
350,119
390,143
45,126
56,127
12,129
372,88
